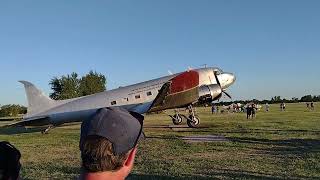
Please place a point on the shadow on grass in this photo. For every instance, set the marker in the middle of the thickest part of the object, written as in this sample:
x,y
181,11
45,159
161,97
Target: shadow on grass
x,y
217,174
173,127
271,131
51,171
284,147
285,131
151,177
191,137
162,137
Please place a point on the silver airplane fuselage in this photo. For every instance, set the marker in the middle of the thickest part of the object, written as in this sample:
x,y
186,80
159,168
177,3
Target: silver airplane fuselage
x,y
137,97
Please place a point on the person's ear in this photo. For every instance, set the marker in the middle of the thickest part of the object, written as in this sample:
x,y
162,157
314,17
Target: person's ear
x,y
130,160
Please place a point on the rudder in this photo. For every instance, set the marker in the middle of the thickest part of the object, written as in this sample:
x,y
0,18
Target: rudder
x,y
37,100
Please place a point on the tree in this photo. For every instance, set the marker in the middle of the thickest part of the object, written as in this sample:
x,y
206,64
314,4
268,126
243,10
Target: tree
x,y
56,86
307,98
91,83
12,110
71,86
65,87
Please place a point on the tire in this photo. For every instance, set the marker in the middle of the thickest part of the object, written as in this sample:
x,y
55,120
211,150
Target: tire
x,y
177,119
193,121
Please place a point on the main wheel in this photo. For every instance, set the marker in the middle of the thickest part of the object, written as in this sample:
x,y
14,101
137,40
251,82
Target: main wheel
x,y
193,121
177,119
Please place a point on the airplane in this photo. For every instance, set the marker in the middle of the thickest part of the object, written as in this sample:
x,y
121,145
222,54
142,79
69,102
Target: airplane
x,y
179,90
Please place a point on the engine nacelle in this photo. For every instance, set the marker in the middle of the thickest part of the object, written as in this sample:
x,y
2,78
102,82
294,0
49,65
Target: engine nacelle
x,y
209,93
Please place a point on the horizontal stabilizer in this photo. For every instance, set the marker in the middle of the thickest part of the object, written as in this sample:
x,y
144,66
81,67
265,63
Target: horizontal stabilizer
x,y
36,121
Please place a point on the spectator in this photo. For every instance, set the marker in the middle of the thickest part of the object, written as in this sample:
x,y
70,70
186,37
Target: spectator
x,y
108,143
312,106
254,109
213,108
267,107
9,161
249,111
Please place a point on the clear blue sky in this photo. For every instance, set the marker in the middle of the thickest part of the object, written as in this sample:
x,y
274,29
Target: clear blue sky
x,y
272,46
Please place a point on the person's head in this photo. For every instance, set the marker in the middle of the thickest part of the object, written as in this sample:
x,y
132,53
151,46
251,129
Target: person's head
x,y
9,161
108,143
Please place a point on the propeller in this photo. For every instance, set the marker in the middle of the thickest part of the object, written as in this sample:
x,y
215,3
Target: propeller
x,y
216,76
218,82
227,94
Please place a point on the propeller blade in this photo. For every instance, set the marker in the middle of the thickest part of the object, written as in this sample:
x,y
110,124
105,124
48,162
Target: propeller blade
x,y
216,76
227,94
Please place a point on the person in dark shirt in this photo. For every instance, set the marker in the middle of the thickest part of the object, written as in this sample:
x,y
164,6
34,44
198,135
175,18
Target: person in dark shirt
x,y
9,161
249,111
311,106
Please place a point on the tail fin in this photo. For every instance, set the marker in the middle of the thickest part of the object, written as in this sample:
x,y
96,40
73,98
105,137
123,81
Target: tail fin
x,y
37,100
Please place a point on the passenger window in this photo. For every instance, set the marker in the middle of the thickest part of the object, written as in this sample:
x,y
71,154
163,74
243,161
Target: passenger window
x,y
113,102
149,93
137,96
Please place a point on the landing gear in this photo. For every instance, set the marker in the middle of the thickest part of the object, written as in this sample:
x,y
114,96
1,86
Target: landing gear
x,y
193,120
177,118
46,131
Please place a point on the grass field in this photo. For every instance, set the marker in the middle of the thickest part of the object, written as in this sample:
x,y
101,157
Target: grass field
x,y
275,145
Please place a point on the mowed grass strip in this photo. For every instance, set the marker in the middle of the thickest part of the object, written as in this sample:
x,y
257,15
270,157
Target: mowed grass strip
x,y
275,145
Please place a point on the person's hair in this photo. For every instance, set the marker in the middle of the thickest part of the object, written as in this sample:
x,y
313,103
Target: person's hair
x,y
97,155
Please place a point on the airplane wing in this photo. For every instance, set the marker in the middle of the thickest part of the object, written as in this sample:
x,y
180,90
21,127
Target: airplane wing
x,y
180,91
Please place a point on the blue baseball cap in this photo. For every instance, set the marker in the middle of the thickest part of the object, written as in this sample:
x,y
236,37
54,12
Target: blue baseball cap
x,y
121,127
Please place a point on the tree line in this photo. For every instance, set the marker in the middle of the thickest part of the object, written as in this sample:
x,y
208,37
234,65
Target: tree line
x,y
276,100
12,110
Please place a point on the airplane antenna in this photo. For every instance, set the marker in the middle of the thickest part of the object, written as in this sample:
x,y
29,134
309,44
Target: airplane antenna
x,y
205,65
